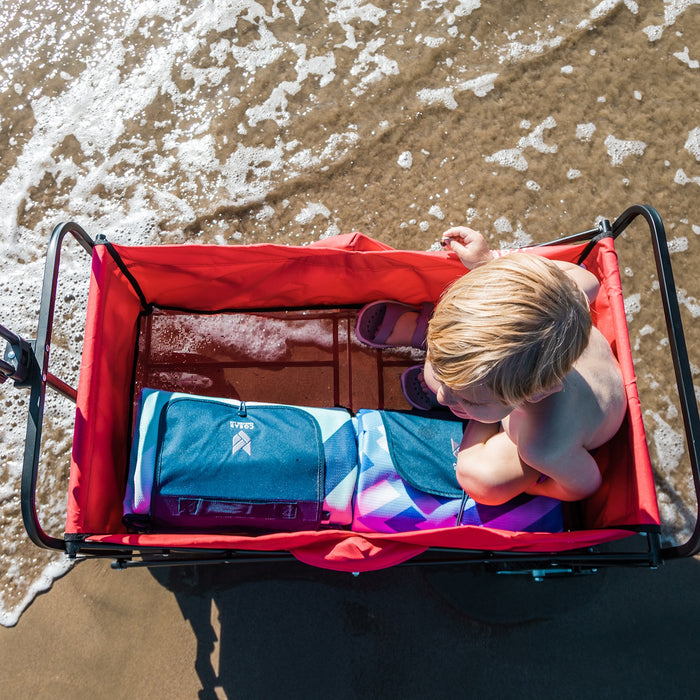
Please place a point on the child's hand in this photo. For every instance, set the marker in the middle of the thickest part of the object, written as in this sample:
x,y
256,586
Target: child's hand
x,y
470,246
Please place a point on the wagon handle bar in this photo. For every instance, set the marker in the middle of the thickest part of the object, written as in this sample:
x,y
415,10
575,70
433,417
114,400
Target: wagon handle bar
x,y
679,355
38,379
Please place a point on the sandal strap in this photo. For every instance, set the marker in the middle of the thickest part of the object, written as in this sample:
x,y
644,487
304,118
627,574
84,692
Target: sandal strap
x,y
426,311
393,311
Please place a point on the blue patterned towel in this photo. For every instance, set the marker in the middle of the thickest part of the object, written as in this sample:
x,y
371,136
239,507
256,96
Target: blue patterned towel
x,y
387,503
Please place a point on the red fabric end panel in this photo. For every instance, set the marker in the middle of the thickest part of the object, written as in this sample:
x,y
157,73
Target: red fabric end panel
x,y
101,437
209,278
627,495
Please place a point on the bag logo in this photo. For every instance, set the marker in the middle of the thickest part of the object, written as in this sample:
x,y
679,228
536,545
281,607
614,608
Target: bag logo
x,y
241,441
455,452
245,425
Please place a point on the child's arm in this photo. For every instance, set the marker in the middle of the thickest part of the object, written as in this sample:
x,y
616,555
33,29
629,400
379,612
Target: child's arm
x,y
492,470
552,446
586,280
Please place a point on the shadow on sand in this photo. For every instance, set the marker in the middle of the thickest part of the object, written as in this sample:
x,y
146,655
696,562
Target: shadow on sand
x,y
270,630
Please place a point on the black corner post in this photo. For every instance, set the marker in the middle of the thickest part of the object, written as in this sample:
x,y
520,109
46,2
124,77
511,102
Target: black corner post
x,y
37,379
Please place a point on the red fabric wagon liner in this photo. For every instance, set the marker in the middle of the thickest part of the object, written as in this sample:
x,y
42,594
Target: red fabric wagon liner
x,y
347,270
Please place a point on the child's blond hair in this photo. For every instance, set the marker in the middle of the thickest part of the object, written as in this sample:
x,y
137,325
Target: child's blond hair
x,y
515,325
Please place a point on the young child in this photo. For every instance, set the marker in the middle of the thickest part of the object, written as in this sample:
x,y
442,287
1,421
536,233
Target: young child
x,y
511,347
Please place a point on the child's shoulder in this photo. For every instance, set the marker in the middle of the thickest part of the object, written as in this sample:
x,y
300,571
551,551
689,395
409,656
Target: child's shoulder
x,y
548,431
586,412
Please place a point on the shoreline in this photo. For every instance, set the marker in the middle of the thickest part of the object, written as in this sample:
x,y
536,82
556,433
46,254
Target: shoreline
x,y
90,634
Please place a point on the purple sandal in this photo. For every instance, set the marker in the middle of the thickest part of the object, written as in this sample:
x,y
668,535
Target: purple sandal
x,y
376,321
415,390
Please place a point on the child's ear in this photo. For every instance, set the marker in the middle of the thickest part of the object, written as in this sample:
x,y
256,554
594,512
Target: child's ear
x,y
544,394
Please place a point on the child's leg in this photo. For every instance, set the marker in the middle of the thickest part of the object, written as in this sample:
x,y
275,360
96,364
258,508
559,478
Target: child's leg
x,y
489,467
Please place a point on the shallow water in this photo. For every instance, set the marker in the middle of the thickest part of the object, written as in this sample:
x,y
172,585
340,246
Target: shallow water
x,y
239,122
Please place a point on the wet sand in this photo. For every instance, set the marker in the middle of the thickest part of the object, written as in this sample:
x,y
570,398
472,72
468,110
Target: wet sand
x,y
408,632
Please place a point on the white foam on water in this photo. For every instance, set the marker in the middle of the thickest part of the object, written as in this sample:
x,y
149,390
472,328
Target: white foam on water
x,y
632,305
444,96
680,178
516,51
480,86
673,9
372,66
405,160
348,12
316,209
462,8
621,149
502,225
275,107
692,144
514,158
690,302
669,443
39,583
311,211
99,103
432,41
678,245
684,57
509,237
436,212
604,8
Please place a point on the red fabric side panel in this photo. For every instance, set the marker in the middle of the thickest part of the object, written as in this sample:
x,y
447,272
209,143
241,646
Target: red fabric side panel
x,y
348,551
209,278
464,537
100,440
